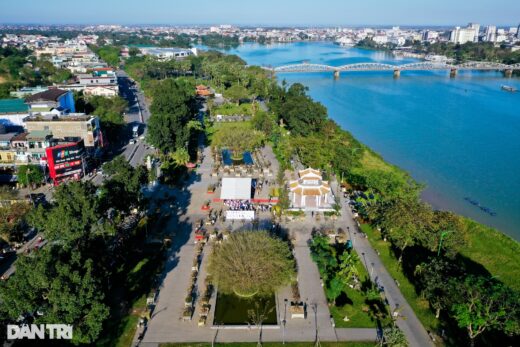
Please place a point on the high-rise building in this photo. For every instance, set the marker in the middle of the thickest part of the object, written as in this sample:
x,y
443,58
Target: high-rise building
x,y
518,32
491,33
462,35
476,27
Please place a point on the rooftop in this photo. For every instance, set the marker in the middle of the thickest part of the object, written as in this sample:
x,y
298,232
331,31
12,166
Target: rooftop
x,y
48,95
7,136
13,106
20,137
71,117
38,135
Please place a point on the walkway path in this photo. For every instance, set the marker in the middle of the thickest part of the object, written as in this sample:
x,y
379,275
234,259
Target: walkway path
x,y
408,322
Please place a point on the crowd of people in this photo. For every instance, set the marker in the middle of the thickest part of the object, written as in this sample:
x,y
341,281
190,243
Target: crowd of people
x,y
246,205
239,205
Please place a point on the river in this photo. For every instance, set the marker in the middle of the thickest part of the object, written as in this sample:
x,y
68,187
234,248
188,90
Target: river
x,y
459,136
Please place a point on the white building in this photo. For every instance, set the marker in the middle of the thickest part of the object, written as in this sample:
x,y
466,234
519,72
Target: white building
x,y
462,35
310,191
165,53
380,39
430,35
491,33
476,28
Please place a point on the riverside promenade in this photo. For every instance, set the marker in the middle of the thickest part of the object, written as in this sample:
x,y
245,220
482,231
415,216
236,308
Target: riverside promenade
x,y
407,321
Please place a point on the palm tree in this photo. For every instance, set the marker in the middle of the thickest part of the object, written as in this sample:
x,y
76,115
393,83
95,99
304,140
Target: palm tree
x,y
348,265
181,157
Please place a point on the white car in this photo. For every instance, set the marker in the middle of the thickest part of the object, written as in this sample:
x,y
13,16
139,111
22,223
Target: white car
x,y
131,142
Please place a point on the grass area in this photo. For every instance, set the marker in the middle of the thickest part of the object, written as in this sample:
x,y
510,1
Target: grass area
x,y
373,161
498,253
353,310
230,109
136,282
419,305
271,344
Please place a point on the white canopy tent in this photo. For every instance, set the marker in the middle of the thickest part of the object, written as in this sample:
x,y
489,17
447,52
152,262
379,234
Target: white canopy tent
x,y
236,188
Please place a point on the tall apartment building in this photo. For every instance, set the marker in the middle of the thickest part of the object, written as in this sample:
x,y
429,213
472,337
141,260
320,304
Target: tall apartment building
x,y
462,35
491,33
476,27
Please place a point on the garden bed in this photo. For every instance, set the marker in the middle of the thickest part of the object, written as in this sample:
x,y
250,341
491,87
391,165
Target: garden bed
x,y
233,310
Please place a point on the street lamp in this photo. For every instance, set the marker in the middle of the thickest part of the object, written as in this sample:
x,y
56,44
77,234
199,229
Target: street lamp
x,y
443,234
284,319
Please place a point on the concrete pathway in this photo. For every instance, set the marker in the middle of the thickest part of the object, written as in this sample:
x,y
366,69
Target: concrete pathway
x,y
408,322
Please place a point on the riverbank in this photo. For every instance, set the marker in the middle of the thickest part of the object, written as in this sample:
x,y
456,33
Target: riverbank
x,y
449,133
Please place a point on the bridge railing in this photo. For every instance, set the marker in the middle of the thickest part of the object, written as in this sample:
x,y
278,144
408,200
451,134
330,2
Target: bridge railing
x,y
372,66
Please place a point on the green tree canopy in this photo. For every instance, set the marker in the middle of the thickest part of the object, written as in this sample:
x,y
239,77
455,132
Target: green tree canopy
x,y
251,263
236,93
238,137
486,304
30,175
299,112
172,109
123,189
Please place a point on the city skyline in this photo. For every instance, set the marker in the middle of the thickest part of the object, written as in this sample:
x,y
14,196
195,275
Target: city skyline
x,y
270,13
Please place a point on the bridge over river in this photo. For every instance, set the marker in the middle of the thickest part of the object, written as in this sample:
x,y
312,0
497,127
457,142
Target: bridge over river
x,y
418,66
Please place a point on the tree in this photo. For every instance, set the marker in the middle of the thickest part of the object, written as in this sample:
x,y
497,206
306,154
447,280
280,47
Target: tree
x,y
172,109
62,287
236,93
238,138
110,54
73,218
258,316
109,110
393,337
348,262
30,175
323,254
486,304
335,287
123,189
301,114
251,263
403,220
181,157
12,218
432,280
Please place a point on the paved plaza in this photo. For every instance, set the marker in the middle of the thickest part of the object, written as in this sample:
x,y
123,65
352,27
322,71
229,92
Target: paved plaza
x,y
166,324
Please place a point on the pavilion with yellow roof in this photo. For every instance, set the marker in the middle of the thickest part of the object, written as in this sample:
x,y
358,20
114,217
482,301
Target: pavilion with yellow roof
x,y
310,191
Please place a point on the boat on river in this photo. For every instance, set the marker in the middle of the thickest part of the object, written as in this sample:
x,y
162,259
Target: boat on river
x,y
508,88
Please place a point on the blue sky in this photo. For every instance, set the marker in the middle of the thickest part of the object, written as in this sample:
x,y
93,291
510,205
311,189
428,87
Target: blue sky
x,y
262,12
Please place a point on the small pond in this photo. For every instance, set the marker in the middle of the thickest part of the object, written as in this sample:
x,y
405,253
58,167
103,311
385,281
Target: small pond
x,y
227,160
232,309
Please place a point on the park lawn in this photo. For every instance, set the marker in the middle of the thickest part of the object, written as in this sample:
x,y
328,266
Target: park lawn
x,y
498,253
354,311
272,344
128,325
357,318
419,305
230,109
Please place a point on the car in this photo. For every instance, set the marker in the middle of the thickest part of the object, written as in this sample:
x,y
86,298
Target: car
x,y
131,142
